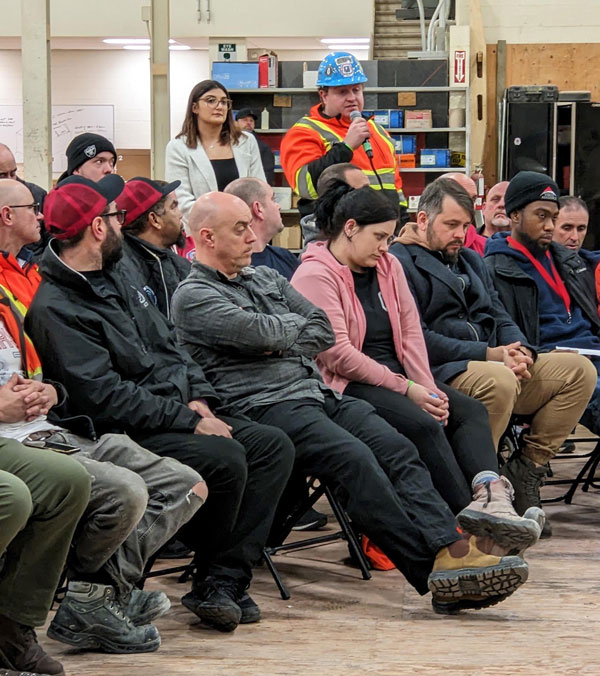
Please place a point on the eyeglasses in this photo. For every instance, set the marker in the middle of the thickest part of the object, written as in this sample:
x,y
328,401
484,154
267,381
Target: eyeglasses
x,y
214,102
119,215
34,205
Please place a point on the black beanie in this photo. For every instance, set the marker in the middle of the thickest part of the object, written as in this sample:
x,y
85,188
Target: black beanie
x,y
527,187
83,148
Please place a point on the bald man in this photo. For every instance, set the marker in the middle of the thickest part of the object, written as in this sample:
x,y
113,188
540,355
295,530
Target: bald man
x,y
495,218
8,169
472,239
256,338
20,225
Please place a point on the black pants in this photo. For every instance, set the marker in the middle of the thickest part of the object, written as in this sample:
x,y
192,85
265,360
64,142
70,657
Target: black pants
x,y
245,477
384,485
454,454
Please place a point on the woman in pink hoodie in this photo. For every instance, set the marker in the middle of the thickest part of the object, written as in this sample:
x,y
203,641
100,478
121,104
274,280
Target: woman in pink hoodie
x,y
380,354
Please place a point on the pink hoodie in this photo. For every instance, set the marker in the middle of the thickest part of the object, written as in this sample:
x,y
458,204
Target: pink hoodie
x,y
330,285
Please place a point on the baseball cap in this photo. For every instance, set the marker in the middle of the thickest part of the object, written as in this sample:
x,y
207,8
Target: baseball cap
x,y
527,187
73,204
83,148
140,194
245,112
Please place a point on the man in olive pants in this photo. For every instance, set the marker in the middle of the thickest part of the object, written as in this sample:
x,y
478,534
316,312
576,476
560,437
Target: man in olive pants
x,y
42,496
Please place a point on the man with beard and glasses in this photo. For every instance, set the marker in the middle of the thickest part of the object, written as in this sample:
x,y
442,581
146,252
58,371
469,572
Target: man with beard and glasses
x,y
152,227
494,214
118,358
476,347
138,501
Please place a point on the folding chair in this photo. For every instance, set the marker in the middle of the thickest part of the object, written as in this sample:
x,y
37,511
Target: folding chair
x,y
281,531
586,475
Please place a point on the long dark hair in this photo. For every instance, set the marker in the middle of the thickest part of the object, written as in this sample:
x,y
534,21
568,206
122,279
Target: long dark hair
x,y
230,133
342,202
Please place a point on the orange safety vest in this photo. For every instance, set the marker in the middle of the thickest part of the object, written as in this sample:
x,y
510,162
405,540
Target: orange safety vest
x,y
314,134
21,282
18,286
12,316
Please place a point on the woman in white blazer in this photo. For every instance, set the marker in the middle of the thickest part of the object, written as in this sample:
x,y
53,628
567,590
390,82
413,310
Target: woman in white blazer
x,y
210,151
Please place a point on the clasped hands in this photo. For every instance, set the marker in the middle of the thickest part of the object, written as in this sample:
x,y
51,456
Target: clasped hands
x,y
23,399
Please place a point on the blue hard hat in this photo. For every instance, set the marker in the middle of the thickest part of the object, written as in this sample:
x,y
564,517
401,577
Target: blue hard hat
x,y
339,69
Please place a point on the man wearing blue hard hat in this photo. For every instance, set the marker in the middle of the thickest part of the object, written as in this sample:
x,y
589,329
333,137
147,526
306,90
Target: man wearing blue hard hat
x,y
335,131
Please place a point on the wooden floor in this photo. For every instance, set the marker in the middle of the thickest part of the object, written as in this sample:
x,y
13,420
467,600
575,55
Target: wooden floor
x,y
337,624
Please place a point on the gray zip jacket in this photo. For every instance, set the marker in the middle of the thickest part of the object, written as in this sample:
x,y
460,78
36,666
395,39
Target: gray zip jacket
x,y
255,336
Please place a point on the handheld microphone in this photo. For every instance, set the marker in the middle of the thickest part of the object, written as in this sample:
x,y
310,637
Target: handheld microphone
x,y
354,115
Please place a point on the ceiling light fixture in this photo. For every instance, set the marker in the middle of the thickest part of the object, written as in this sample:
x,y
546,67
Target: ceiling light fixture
x,y
127,41
346,41
347,48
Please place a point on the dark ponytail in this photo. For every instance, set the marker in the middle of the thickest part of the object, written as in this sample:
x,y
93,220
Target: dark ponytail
x,y
341,202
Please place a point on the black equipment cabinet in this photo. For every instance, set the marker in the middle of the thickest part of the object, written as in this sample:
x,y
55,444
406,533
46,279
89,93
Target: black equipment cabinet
x,y
560,138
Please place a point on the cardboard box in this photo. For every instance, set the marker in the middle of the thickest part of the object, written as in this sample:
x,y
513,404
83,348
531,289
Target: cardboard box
x,y
289,238
435,157
309,79
236,74
417,119
283,197
267,70
408,161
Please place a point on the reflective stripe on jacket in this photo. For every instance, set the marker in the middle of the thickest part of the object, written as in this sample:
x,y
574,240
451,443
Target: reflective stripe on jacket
x,y
314,136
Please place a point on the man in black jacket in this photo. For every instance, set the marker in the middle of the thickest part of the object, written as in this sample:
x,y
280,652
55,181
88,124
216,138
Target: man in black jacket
x,y
118,358
546,287
152,226
476,347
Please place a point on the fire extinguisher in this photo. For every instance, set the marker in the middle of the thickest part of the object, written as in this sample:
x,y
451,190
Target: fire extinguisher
x,y
477,176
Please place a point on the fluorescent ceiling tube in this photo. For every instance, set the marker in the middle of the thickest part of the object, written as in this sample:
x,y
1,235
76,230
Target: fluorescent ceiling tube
x,y
130,41
127,41
346,41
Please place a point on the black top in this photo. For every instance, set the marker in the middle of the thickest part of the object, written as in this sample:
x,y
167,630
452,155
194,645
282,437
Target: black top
x,y
225,172
379,339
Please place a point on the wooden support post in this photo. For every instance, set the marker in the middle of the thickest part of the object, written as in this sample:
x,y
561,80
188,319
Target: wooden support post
x,y
37,118
160,99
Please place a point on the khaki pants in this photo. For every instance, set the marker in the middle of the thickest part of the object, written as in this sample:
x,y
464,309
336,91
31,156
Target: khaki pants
x,y
556,395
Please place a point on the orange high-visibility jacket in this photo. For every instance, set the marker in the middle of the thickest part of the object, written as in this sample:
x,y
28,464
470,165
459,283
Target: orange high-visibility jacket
x,y
317,137
17,289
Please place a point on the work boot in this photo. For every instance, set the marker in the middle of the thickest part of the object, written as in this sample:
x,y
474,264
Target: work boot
x,y
90,617
249,608
145,606
492,514
21,652
215,602
526,479
473,573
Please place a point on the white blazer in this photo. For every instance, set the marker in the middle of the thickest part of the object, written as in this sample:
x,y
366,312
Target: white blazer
x,y
193,168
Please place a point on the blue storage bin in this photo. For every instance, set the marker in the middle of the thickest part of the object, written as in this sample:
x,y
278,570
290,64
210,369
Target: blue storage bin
x,y
405,143
397,121
435,157
236,74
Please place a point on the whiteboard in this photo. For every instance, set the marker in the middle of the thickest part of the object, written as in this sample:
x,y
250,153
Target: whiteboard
x,y
67,122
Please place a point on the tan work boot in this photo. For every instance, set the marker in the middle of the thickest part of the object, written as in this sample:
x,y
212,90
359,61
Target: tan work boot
x,y
474,573
492,514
